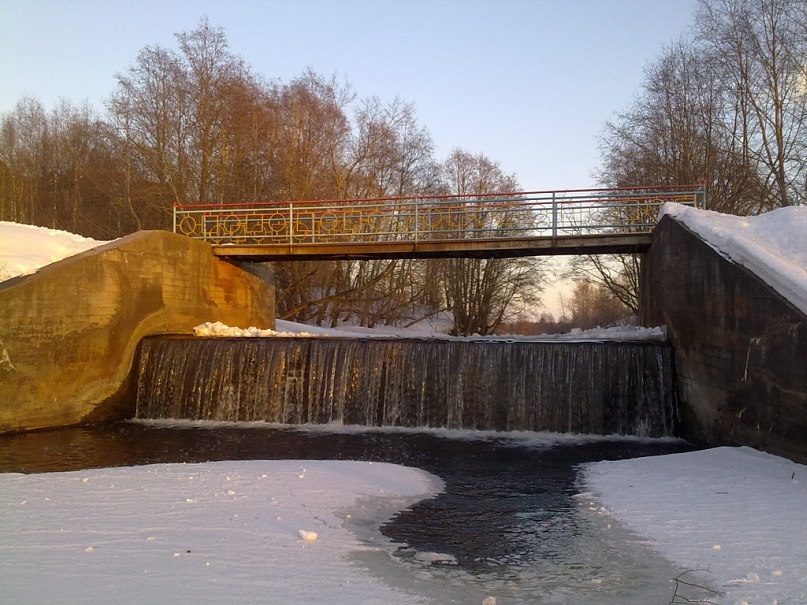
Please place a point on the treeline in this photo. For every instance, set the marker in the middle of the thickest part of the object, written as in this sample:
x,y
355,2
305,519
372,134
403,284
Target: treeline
x,y
726,105
196,125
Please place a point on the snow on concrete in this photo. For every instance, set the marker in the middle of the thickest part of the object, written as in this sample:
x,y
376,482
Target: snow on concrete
x,y
216,532
25,249
736,512
773,245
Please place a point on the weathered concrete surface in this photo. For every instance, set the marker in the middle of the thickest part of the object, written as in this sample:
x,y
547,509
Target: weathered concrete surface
x,y
740,347
69,333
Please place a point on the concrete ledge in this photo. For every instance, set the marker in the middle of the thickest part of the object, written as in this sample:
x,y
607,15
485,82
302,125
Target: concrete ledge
x,y
740,347
69,333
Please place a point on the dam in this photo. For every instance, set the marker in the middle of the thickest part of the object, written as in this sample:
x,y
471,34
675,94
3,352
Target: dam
x,y
625,388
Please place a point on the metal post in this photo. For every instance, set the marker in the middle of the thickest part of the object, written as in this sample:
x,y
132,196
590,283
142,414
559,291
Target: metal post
x,y
416,222
554,215
291,224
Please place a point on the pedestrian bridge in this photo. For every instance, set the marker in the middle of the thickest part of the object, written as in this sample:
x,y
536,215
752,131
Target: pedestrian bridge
x,y
488,225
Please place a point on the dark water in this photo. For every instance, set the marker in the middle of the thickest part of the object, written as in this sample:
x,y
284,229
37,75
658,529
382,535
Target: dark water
x,y
508,515
601,388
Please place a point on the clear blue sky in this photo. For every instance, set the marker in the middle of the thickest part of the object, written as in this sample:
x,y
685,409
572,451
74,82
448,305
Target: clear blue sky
x,y
528,83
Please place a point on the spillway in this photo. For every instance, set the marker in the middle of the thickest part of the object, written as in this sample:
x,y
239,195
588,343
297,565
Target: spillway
x,y
625,388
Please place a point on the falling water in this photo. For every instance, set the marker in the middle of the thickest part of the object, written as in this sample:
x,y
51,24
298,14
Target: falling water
x,y
582,387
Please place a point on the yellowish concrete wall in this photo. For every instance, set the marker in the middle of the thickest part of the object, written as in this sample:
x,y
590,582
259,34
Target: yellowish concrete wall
x,y
69,333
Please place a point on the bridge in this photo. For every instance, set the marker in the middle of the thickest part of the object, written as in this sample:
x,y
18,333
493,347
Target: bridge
x,y
487,225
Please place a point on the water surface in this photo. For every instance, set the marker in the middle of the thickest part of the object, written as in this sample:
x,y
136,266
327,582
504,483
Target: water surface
x,y
509,523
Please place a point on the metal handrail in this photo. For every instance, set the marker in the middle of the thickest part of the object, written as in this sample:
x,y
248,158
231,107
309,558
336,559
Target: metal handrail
x,y
418,219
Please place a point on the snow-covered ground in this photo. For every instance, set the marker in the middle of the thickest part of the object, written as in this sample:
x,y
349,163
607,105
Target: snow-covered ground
x,y
736,514
244,531
289,328
218,531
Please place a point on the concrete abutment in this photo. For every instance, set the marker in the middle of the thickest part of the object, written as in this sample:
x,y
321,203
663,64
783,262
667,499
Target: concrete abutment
x,y
69,333
740,347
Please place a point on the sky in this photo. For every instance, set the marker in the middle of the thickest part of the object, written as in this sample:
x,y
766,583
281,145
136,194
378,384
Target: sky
x,y
529,83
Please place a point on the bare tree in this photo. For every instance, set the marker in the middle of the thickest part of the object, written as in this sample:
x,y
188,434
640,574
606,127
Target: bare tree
x,y
55,168
618,274
726,108
761,48
171,110
389,155
591,305
481,292
23,155
680,131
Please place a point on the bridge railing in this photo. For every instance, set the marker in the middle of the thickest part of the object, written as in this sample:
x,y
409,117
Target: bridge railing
x,y
434,218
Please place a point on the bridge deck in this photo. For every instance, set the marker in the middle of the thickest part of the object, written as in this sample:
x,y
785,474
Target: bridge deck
x,y
583,221
478,248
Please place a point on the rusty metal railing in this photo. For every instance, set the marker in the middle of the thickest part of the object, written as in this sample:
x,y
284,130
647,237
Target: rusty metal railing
x,y
435,218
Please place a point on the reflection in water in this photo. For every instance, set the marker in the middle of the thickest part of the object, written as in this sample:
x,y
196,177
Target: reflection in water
x,y
509,517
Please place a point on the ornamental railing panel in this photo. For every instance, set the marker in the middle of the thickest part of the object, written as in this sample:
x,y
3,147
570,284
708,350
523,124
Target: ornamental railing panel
x,y
498,216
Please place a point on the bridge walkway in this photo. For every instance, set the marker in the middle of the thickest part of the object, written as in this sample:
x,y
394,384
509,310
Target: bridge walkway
x,y
489,225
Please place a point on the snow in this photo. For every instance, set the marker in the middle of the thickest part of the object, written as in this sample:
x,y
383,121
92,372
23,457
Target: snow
x,y
287,329
24,249
736,512
773,245
216,532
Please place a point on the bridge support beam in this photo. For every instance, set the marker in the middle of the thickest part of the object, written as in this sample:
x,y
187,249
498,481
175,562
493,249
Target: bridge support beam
x,y
468,248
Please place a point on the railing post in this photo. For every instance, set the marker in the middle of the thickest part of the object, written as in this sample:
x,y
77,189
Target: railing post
x,y
291,224
554,215
416,221
174,206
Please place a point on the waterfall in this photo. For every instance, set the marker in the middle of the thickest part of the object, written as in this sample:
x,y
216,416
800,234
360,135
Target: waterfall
x,y
581,387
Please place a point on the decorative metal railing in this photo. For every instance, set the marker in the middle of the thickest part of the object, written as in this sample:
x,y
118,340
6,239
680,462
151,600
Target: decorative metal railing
x,y
435,218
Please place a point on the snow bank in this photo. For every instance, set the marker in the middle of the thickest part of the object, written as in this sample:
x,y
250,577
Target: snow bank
x,y
200,533
737,512
772,245
24,249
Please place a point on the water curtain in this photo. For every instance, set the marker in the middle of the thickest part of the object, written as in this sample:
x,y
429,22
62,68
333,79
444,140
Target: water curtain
x,y
580,387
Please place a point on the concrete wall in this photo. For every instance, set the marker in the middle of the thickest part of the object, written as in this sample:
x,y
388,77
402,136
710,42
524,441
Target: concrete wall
x,y
69,333
740,347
